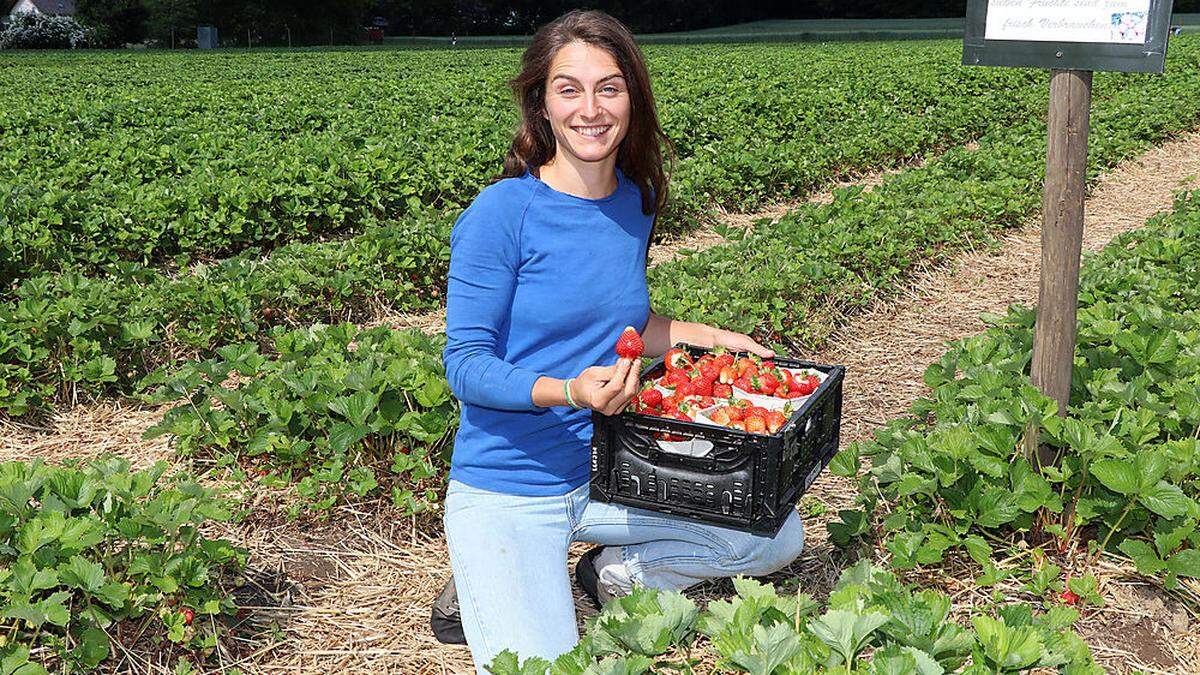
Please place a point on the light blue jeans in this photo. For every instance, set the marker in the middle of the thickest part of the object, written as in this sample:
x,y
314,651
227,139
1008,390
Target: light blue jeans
x,y
509,557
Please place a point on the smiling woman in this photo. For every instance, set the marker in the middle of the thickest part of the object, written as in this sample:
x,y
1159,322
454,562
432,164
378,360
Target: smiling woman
x,y
547,268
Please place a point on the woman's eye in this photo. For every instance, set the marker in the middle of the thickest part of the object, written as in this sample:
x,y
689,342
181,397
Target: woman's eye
x,y
567,91
611,89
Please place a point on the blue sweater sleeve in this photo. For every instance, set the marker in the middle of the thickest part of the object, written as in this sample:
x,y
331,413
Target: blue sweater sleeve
x,y
485,255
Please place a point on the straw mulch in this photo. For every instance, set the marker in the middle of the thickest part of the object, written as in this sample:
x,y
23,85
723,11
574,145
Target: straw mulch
x,y
352,594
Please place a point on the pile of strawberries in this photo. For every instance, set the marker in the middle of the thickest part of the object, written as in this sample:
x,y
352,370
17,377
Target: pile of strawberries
x,y
699,385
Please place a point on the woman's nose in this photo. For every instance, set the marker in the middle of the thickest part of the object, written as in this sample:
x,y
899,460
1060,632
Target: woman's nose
x,y
591,105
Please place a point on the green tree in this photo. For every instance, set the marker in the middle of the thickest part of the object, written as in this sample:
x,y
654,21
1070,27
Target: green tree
x,y
116,21
167,19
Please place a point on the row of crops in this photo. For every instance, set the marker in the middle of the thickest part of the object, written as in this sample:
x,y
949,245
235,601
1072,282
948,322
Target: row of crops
x,y
166,159
72,335
240,321
84,547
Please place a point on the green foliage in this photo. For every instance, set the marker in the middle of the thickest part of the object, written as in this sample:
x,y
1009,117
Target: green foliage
x,y
67,336
333,411
795,279
1129,461
871,624
87,546
275,147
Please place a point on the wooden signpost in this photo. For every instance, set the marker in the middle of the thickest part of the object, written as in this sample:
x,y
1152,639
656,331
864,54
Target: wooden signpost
x,y
1072,38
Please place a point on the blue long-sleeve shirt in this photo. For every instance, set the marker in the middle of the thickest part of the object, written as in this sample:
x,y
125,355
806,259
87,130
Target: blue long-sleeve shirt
x,y
541,283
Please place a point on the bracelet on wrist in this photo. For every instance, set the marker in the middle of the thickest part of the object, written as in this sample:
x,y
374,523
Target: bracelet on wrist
x,y
567,393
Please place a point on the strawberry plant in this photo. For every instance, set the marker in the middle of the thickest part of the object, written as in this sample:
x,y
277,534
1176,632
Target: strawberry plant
x,y
88,551
333,411
954,473
872,623
795,279
279,147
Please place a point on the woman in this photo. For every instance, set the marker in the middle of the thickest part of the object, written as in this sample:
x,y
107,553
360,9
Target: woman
x,y
547,267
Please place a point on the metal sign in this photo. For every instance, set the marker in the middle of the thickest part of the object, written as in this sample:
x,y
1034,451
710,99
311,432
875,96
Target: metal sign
x,y
1122,35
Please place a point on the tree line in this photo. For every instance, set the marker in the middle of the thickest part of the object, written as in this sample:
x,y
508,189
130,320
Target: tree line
x,y
306,22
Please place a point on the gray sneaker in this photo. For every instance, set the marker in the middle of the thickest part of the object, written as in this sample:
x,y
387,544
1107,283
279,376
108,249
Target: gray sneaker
x,y
445,619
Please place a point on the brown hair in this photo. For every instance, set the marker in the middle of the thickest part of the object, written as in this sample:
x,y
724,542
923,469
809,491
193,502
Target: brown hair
x,y
640,155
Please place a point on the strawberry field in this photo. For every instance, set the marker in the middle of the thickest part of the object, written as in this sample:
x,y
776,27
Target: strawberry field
x,y
222,240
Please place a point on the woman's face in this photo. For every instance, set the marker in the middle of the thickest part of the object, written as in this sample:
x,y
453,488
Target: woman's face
x,y
587,102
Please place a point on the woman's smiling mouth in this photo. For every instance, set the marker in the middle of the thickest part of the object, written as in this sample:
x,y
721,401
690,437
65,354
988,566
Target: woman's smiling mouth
x,y
593,131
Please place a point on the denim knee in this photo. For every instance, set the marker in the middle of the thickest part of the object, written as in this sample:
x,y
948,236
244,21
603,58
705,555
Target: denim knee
x,y
760,556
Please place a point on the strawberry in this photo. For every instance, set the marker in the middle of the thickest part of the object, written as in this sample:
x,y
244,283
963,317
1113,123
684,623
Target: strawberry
x,y
767,384
709,370
755,425
629,345
724,360
702,387
650,398
677,359
722,391
735,413
720,416
757,411
746,366
1068,596
706,402
744,384
675,379
807,385
670,403
686,389
681,415
188,615
775,421
726,375
787,379
737,424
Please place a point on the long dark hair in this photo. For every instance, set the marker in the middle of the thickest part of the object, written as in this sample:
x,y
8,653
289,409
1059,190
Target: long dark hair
x,y
640,155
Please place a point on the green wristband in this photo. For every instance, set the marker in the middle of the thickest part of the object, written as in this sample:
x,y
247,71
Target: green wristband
x,y
567,393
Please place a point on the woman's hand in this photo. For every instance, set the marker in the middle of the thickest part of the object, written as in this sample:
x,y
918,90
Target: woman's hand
x,y
607,389
739,342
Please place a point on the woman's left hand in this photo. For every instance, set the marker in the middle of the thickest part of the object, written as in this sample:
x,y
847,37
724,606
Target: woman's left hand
x,y
739,342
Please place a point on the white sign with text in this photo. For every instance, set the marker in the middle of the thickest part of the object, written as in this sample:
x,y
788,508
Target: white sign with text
x,y
1110,21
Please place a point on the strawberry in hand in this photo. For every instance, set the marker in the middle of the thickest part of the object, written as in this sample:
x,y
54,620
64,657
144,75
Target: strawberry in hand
x,y
629,345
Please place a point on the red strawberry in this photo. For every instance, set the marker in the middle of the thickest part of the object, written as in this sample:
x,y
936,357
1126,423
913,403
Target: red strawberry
x,y
1068,596
735,412
726,375
629,345
706,402
724,360
188,615
651,398
702,387
737,424
775,421
722,391
767,383
686,389
721,416
807,385
755,425
677,359
675,379
743,383
709,370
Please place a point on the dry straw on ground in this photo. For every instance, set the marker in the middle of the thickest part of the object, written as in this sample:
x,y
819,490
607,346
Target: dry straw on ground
x,y
353,595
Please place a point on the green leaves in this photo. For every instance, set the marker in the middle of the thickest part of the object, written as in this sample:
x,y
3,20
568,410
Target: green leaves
x,y
94,544
872,624
337,410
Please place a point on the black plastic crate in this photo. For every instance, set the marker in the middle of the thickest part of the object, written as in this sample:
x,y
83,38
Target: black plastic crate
x,y
747,481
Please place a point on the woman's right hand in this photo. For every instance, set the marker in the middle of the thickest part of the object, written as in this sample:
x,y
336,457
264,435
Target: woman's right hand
x,y
607,389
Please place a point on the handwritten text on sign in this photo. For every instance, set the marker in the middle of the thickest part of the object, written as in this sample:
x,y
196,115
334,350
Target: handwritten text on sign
x,y
1111,21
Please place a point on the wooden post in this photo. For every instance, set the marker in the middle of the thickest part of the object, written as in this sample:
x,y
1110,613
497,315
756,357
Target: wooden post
x,y
1062,243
